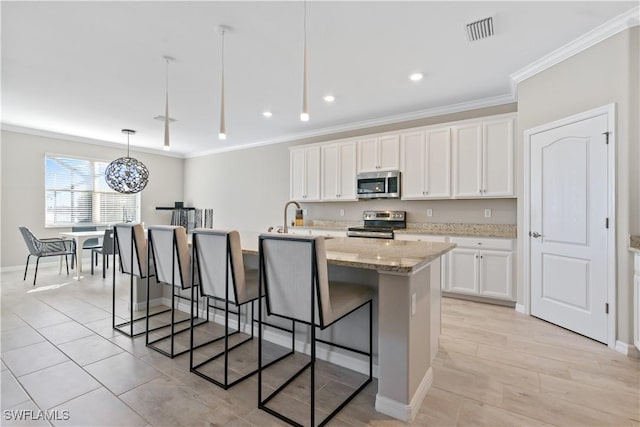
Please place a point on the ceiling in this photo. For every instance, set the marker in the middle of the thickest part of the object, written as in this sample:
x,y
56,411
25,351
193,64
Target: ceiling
x,y
89,69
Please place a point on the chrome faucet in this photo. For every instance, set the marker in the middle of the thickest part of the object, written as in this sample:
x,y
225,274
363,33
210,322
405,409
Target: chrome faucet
x,y
286,229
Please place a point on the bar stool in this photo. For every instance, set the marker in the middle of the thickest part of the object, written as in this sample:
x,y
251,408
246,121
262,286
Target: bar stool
x,y
169,250
221,276
294,277
131,244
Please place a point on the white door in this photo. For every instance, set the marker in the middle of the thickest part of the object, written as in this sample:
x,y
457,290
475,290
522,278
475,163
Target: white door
x,y
467,160
438,163
413,162
568,242
389,152
463,270
347,171
496,272
497,168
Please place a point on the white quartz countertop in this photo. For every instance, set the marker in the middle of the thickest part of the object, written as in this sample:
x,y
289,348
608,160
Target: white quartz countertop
x,y
372,254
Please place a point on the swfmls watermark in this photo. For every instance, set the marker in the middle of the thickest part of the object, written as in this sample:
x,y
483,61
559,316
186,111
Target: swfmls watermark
x,y
38,415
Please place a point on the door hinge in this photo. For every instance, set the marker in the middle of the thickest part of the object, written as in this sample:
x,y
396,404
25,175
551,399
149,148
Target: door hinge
x,y
606,223
606,134
606,307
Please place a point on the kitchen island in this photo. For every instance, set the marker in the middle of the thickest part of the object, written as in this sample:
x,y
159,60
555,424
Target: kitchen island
x,y
408,310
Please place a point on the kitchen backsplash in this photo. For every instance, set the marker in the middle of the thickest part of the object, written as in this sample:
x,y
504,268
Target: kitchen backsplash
x,y
502,211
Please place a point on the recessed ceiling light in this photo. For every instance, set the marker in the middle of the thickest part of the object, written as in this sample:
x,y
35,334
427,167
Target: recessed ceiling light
x,y
415,77
267,114
329,98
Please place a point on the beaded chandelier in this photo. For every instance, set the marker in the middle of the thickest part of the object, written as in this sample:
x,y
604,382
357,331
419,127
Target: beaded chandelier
x,y
126,174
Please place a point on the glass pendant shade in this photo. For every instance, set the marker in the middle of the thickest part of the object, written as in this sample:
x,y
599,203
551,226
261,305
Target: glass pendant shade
x,y
126,174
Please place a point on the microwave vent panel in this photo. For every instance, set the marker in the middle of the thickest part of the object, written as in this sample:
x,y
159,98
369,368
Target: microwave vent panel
x,y
480,29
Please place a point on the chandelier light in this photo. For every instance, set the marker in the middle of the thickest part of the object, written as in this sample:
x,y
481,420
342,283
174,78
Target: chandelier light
x,y
223,131
167,145
304,116
126,174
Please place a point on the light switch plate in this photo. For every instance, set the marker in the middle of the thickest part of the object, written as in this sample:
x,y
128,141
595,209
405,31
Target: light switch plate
x,y
341,212
304,212
429,212
413,304
487,213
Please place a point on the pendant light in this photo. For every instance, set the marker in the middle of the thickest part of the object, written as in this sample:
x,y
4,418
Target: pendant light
x,y
126,174
223,130
304,116
167,145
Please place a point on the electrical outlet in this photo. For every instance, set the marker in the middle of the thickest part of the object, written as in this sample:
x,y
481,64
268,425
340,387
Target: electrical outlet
x,y
341,212
413,304
429,212
487,213
304,211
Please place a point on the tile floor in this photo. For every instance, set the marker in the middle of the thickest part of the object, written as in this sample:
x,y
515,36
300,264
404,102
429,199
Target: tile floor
x,y
495,367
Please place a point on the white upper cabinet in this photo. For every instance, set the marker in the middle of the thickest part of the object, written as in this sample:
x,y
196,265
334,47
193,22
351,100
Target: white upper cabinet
x,y
379,153
304,182
483,159
426,164
338,171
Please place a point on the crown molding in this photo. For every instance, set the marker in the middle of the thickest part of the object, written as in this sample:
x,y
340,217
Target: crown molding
x,y
628,19
73,138
398,118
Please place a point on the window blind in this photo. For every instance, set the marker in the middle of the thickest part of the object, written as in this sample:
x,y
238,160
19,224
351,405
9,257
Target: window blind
x,y
76,193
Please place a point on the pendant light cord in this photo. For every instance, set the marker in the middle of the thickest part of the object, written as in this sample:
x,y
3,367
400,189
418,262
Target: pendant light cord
x,y
128,144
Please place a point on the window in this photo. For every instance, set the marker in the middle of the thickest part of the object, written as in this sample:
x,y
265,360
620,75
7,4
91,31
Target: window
x,y
76,193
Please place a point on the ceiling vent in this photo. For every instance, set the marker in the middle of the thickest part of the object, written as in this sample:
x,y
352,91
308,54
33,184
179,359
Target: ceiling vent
x,y
480,29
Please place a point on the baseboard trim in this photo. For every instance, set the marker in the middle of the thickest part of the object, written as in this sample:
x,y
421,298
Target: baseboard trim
x,y
627,349
400,410
46,262
520,308
152,303
323,351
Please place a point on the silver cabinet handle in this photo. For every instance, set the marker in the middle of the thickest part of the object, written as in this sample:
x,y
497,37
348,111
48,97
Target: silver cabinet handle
x,y
535,234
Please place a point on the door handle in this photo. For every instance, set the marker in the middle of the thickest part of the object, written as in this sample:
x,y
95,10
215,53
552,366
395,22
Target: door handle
x,y
535,234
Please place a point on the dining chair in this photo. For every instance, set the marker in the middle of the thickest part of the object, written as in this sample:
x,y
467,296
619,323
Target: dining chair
x,y
130,244
41,248
169,252
294,278
220,276
105,250
89,244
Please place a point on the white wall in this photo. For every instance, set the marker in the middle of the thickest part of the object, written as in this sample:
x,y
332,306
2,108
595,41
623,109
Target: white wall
x,y
247,189
603,74
23,198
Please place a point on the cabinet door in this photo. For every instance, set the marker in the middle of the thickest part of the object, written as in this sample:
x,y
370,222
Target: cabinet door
x,y
312,174
347,171
467,160
496,274
389,152
636,310
329,163
368,155
438,163
297,174
463,271
498,158
412,166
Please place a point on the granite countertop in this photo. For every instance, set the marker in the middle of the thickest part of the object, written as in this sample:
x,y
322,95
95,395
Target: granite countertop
x,y
438,229
634,243
371,254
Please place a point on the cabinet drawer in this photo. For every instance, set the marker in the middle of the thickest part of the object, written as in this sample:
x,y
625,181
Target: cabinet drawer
x,y
420,237
483,243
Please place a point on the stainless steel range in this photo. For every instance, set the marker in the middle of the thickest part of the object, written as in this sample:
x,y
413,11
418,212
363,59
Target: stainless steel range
x,y
379,224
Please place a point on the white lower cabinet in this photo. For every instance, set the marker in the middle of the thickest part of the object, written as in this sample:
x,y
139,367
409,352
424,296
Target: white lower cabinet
x,y
636,304
481,267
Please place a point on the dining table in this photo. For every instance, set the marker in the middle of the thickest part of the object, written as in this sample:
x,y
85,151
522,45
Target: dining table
x,y
80,237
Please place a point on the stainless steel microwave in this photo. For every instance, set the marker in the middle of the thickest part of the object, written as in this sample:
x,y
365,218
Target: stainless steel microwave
x,y
378,185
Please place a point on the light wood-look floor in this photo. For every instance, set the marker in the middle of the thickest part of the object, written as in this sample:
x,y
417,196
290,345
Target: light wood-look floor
x,y
495,367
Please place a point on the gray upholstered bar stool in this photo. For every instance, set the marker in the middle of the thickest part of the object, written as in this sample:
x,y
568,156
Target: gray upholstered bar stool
x,y
221,277
131,243
169,250
294,277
